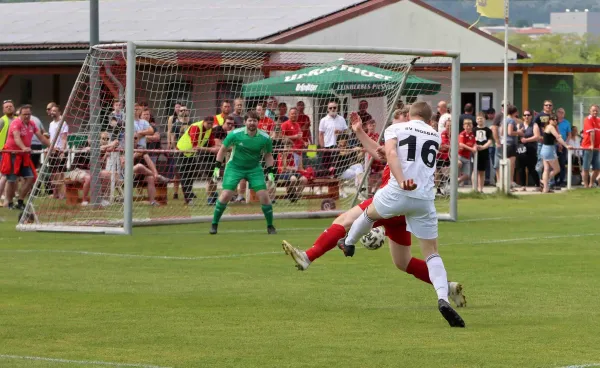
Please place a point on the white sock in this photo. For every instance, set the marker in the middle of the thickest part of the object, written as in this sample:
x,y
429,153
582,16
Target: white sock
x,y
362,225
437,275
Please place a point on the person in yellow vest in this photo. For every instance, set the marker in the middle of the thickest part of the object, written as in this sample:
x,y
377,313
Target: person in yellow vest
x,y
198,145
225,111
8,108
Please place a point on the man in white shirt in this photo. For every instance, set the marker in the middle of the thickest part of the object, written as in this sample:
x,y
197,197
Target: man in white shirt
x,y
57,162
330,127
411,150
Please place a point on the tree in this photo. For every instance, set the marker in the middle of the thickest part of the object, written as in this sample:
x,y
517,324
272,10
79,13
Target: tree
x,y
564,49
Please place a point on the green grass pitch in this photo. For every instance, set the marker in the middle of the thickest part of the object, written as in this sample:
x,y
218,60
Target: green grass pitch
x,y
174,296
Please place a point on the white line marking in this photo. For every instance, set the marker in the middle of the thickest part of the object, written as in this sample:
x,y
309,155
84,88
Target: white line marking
x,y
88,362
124,255
241,255
582,365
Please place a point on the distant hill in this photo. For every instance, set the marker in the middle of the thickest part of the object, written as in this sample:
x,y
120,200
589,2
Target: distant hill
x,y
524,12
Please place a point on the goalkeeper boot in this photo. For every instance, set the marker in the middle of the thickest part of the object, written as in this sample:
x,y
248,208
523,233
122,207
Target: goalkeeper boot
x,y
213,229
454,320
271,230
348,249
300,257
456,294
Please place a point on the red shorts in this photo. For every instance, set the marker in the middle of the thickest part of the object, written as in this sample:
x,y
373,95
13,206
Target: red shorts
x,y
395,227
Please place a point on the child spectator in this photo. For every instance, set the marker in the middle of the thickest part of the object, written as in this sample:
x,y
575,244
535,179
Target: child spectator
x,y
466,146
483,138
287,172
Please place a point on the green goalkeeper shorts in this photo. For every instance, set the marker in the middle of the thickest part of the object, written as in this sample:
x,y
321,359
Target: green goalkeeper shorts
x,y
255,178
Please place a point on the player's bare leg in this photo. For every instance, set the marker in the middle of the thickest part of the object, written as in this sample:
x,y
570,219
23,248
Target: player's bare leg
x,y
325,242
404,261
439,279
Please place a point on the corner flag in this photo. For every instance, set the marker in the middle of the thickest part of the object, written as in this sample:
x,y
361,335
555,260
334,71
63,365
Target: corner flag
x,y
491,8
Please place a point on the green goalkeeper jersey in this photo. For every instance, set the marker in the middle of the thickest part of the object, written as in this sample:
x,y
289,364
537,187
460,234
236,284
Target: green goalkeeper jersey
x,y
247,151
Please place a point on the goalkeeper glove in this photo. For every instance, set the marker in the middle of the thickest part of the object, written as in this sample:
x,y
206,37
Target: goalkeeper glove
x,y
217,170
270,171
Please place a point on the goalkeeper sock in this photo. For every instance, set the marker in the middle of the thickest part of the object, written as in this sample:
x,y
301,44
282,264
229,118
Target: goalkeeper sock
x,y
326,241
219,209
268,212
437,275
418,268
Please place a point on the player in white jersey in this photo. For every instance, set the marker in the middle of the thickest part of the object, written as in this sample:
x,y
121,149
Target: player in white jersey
x,y
411,150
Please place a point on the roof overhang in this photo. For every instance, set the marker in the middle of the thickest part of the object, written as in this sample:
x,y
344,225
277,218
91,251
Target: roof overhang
x,y
42,57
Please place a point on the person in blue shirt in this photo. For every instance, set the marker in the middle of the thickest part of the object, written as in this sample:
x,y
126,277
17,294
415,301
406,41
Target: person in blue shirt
x,y
564,128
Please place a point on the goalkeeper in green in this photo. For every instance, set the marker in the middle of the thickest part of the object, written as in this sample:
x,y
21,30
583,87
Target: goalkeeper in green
x,y
248,145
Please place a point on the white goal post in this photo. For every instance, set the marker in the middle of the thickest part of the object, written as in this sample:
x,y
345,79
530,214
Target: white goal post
x,y
104,183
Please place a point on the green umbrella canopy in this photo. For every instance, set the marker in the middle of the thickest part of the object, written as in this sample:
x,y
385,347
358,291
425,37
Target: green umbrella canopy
x,y
339,78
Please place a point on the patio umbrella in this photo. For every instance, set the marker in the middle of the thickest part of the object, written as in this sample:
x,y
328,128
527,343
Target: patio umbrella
x,y
339,78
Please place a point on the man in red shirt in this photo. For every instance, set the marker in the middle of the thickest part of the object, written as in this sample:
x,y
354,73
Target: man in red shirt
x,y
15,164
466,146
304,121
291,129
265,123
591,139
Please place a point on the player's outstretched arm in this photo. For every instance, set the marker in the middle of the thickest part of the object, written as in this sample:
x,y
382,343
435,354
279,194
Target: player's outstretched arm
x,y
368,144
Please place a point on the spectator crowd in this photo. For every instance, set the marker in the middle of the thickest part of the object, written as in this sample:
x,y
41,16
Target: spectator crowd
x,y
181,150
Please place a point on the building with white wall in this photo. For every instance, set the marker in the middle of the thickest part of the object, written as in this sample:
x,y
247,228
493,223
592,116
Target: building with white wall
x,y
40,64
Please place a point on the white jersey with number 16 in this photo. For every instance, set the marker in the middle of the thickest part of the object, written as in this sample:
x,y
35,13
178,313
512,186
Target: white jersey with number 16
x,y
417,148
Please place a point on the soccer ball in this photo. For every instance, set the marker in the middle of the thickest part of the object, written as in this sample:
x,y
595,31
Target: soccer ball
x,y
374,239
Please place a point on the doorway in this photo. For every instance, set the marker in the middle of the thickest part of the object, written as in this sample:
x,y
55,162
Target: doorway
x,y
467,98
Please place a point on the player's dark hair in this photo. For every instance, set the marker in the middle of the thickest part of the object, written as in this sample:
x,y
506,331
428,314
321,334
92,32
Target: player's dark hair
x,y
469,108
251,115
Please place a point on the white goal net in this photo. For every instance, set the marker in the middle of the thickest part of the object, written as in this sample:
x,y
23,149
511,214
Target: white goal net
x,y
145,121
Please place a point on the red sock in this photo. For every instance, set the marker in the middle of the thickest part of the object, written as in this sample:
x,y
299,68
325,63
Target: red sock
x,y
418,268
327,241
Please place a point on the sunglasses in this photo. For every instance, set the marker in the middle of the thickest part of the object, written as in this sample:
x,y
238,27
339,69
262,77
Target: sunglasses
x,y
526,114
332,108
